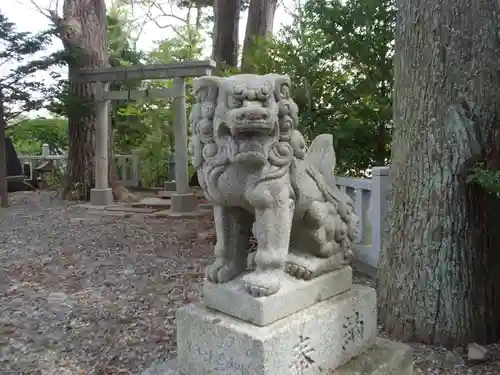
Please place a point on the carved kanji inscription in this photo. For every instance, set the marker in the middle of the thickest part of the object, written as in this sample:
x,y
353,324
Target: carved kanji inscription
x,y
303,352
354,329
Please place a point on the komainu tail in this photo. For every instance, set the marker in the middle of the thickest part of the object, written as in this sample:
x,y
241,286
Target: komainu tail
x,y
321,156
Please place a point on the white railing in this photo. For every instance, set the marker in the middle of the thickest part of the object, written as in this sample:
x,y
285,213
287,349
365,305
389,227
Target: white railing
x,y
127,166
371,198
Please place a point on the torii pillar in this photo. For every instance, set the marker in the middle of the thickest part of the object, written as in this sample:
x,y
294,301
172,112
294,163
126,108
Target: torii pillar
x,y
102,194
183,200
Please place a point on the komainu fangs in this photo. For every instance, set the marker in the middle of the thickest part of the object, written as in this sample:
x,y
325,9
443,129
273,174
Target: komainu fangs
x,y
254,166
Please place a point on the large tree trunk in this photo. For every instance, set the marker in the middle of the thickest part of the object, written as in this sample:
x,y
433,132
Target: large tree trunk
x,y
83,30
259,25
225,38
439,272
81,153
4,190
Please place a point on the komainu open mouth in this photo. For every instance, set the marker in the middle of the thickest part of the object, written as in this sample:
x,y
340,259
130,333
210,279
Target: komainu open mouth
x,y
251,142
249,128
246,130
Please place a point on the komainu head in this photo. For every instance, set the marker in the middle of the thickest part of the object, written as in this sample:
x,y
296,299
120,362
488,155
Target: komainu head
x,y
243,117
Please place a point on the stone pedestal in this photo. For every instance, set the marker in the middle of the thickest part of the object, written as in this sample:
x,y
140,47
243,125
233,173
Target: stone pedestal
x,y
169,186
320,338
322,326
294,295
101,197
183,202
383,358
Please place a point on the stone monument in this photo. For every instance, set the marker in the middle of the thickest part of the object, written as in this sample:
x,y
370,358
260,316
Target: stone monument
x,y
290,307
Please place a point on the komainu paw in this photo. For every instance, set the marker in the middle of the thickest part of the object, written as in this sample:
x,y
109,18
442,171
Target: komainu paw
x,y
263,283
305,267
221,272
299,271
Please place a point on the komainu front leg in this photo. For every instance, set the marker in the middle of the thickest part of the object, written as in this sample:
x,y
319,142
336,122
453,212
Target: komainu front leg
x,y
233,227
272,230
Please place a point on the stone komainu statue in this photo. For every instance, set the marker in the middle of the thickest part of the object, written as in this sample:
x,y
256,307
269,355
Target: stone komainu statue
x,y
254,166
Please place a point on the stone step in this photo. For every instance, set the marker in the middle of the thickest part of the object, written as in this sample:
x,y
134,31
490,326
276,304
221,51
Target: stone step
x,y
110,213
205,206
181,215
135,210
153,202
168,194
384,358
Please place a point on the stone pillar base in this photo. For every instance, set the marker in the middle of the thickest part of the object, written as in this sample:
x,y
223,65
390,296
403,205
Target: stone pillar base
x,y
183,202
101,197
169,185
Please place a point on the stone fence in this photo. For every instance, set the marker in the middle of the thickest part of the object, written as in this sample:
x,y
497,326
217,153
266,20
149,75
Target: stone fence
x,y
128,167
371,198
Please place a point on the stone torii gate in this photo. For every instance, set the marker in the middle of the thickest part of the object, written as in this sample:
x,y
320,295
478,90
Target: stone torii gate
x,y
183,200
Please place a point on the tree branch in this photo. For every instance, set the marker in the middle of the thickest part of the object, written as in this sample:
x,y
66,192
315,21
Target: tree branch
x,y
171,14
47,12
172,27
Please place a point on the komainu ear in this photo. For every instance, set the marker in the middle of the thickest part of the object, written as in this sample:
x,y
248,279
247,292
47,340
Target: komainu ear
x,y
206,87
281,84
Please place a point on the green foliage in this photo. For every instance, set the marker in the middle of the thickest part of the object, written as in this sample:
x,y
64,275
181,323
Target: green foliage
x,y
120,49
128,128
203,4
155,117
154,156
338,55
54,180
29,136
187,45
206,3
141,124
489,179
17,84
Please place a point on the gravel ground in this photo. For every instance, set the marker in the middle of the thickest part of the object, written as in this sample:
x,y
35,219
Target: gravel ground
x,y
85,294
92,294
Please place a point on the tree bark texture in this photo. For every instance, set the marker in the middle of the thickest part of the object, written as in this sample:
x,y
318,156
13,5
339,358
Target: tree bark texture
x,y
259,25
225,38
83,30
439,279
